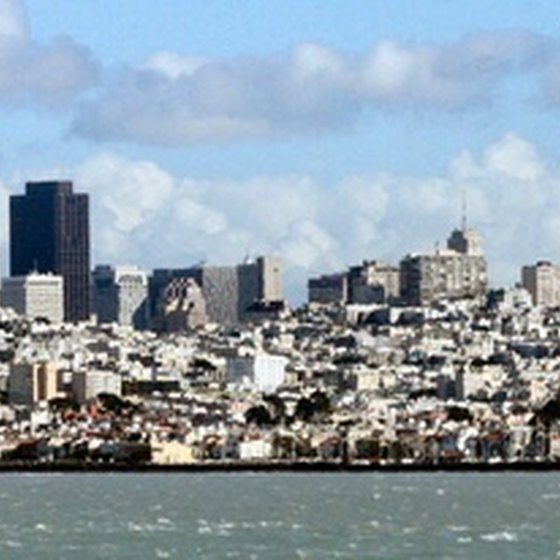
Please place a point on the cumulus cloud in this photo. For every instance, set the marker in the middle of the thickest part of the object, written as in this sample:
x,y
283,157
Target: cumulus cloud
x,y
175,100
143,214
33,74
13,21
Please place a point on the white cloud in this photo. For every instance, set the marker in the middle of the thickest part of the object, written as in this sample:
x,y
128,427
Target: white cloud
x,y
175,100
515,158
143,214
13,21
172,65
45,75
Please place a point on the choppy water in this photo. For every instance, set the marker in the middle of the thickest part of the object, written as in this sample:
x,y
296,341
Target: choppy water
x,y
279,516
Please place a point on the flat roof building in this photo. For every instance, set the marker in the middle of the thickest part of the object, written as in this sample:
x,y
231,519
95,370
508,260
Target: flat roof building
x,y
34,296
49,233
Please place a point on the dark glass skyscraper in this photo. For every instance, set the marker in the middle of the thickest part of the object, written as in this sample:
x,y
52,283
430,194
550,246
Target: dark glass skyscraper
x,y
49,232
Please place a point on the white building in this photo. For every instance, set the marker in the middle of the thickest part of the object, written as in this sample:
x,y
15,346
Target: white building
x,y
35,295
262,372
542,281
86,385
119,295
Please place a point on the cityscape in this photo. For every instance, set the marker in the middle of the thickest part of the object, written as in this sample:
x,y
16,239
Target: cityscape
x,y
279,279
418,363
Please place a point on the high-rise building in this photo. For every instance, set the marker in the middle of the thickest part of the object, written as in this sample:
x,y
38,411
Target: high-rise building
x,y
30,383
229,291
120,295
373,282
542,281
34,296
328,288
259,282
49,233
459,272
182,306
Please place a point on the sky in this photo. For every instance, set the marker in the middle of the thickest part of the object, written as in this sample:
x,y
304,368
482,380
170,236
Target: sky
x,y
325,133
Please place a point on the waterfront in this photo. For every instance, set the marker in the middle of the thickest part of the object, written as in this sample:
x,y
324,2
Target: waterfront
x,y
279,516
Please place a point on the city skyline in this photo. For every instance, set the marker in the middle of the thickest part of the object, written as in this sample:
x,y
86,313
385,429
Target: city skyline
x,y
325,135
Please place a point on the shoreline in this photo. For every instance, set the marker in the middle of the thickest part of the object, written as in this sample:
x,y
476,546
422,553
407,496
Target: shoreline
x,y
267,467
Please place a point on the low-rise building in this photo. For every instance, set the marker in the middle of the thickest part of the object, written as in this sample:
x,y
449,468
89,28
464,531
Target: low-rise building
x,y
262,372
86,385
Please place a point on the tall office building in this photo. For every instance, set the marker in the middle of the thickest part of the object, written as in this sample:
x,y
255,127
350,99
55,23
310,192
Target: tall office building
x,y
542,281
229,291
34,296
49,232
459,272
120,295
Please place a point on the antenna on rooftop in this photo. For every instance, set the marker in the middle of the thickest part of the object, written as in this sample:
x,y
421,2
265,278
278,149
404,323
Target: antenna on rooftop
x,y
464,209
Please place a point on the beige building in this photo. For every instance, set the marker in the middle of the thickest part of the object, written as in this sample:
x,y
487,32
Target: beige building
x,y
465,241
542,281
29,384
459,272
86,385
172,453
373,282
34,296
183,306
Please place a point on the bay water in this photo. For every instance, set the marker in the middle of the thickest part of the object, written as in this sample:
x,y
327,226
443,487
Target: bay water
x,y
279,516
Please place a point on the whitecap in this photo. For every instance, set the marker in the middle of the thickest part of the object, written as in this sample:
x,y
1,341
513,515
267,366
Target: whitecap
x,y
458,528
135,527
502,536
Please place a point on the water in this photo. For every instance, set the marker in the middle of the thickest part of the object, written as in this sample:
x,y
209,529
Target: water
x,y
279,516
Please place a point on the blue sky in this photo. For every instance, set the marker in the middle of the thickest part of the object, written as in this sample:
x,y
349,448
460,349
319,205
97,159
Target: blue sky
x,y
324,132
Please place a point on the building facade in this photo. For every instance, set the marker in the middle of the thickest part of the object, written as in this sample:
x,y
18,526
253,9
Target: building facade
x,y
86,385
459,272
263,372
329,288
29,384
182,305
373,282
120,295
35,296
49,233
229,291
542,281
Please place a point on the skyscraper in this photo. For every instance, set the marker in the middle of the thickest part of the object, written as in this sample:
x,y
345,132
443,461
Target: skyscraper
x,y
49,232
120,295
459,272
